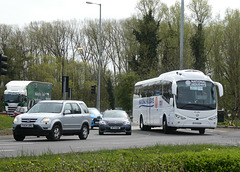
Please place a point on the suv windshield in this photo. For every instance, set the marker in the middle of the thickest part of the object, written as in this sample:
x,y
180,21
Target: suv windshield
x,y
196,95
46,107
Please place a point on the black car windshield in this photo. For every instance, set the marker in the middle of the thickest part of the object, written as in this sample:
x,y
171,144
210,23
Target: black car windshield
x,y
46,107
196,95
115,114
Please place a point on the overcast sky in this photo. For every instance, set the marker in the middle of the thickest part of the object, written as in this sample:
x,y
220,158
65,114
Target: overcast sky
x,y
21,12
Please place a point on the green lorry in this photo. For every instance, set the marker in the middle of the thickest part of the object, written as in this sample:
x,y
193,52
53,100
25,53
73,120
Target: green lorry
x,y
25,94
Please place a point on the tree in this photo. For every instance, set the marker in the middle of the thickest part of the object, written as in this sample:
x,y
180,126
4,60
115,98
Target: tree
x,y
146,35
231,53
201,12
124,90
110,90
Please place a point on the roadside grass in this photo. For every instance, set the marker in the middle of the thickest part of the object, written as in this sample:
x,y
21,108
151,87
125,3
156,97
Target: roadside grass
x,y
202,157
5,122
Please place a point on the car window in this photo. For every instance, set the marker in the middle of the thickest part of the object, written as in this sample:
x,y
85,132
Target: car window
x,y
84,107
68,108
76,108
21,110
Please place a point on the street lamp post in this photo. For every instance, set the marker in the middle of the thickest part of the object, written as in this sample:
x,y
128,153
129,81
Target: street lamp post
x,y
99,59
181,34
64,77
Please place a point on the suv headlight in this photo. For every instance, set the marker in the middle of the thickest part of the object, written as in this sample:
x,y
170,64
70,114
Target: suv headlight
x,y
46,120
15,120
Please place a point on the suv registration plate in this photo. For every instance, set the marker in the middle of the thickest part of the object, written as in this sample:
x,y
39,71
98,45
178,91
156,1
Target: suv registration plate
x,y
27,125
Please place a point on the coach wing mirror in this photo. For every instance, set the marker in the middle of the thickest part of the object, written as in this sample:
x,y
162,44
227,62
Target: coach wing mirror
x,y
220,88
174,88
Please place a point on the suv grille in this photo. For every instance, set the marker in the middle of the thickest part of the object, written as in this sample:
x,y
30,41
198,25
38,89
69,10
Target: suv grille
x,y
29,120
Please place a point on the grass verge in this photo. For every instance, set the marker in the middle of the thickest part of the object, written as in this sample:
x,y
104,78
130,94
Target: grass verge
x,y
5,125
156,158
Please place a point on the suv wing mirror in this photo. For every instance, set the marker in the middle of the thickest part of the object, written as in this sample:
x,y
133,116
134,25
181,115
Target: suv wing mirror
x,y
67,111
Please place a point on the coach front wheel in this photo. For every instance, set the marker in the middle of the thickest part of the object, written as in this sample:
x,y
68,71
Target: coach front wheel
x,y
166,129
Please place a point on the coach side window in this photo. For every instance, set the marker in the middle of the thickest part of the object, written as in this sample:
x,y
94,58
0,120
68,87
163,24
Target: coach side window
x,y
157,88
167,91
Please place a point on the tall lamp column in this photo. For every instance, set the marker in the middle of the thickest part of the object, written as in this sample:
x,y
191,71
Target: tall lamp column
x,y
99,59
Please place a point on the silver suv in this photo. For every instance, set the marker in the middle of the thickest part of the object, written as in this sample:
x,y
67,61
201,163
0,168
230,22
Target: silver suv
x,y
53,118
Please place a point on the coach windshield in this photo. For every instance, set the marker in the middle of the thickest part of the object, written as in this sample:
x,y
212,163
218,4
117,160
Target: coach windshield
x,y
196,95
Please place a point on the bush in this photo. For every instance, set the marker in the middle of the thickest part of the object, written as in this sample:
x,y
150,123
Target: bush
x,y
157,158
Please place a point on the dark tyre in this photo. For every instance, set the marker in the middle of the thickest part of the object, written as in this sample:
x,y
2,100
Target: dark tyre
x,y
202,131
128,133
84,132
55,134
166,129
100,132
142,126
18,137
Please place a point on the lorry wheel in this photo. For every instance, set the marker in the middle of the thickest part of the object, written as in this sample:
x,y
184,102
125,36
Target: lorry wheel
x,y
55,134
84,132
18,137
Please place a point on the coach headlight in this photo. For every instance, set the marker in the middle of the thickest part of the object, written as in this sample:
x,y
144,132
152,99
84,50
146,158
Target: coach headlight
x,y
179,117
213,118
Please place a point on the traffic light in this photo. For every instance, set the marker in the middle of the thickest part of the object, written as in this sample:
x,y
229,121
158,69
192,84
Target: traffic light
x,y
93,89
3,65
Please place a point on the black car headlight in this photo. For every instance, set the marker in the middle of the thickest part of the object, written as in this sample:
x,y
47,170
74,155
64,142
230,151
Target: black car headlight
x,y
102,123
127,123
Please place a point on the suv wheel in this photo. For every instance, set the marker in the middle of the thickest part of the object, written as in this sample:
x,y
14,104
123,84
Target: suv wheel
x,y
18,137
84,132
55,134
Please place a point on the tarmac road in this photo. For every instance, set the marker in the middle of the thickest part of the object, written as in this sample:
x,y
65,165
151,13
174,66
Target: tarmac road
x,y
37,146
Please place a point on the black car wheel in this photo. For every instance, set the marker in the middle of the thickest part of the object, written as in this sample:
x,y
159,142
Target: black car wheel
x,y
128,133
55,134
84,132
100,132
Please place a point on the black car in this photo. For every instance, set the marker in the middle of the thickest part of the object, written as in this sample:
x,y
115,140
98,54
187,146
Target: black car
x,y
115,121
